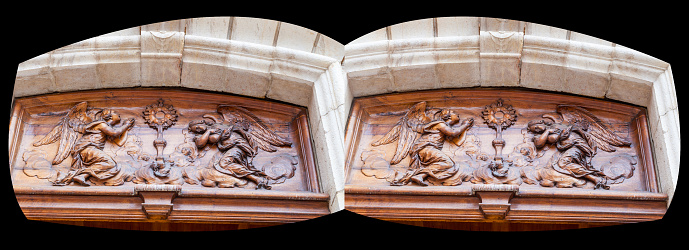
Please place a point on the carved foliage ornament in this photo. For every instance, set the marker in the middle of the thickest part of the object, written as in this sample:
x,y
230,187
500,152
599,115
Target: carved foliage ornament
x,y
236,135
573,133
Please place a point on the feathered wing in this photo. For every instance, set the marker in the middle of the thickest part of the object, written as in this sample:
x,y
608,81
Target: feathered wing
x,y
598,133
390,136
53,135
216,117
405,131
555,117
259,134
67,131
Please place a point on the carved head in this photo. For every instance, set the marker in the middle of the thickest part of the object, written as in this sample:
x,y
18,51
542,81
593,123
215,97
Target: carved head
x,y
186,151
538,126
161,168
483,157
199,126
449,116
110,116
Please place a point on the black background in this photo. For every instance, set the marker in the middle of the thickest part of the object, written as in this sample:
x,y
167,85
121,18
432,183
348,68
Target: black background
x,y
34,28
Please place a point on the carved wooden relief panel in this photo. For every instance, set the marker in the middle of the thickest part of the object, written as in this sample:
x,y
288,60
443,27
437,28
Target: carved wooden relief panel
x,y
191,144
480,143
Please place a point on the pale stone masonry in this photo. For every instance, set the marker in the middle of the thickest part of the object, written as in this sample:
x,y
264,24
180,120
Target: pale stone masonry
x,y
461,52
237,55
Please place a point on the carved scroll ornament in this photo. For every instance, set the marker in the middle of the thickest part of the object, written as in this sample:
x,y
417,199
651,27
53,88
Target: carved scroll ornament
x,y
573,133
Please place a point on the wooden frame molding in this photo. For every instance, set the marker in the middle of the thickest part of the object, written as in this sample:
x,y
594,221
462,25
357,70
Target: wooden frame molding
x,y
157,199
121,204
165,175
470,52
461,205
495,199
483,184
297,66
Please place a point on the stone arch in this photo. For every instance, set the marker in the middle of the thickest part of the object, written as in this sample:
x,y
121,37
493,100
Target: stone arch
x,y
471,52
252,57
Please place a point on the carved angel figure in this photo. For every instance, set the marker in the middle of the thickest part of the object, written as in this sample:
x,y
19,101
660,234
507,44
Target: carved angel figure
x,y
239,135
90,163
420,134
577,134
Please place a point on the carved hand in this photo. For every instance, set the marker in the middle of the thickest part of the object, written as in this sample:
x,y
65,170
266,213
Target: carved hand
x,y
129,122
468,122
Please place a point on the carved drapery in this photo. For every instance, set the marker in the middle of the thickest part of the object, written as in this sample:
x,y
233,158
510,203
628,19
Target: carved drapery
x,y
100,143
442,142
235,133
572,135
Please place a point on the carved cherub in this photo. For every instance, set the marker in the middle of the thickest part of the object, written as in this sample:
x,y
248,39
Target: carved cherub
x,y
420,134
577,135
91,163
239,135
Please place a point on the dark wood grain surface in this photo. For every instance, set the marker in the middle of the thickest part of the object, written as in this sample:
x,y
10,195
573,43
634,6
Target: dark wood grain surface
x,y
298,198
634,199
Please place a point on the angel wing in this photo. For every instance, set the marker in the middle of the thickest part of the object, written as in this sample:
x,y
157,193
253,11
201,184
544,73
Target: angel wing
x,y
259,134
405,132
598,134
67,131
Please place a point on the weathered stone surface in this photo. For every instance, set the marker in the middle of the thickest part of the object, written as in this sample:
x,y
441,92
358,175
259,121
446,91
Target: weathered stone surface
x,y
294,37
500,57
214,27
457,26
413,29
118,60
290,90
161,58
234,55
253,30
510,53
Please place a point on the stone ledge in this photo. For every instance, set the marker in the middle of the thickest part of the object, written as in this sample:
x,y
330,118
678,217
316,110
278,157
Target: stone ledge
x,y
550,59
622,74
226,54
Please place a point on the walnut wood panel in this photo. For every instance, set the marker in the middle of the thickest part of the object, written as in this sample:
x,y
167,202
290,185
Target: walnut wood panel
x,y
165,226
440,155
502,226
114,154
